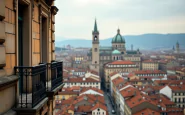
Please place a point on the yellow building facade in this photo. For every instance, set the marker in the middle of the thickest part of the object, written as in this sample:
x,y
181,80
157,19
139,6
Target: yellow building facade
x,y
150,65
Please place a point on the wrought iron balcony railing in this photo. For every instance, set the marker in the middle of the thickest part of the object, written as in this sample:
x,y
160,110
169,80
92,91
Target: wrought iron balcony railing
x,y
35,81
55,75
32,85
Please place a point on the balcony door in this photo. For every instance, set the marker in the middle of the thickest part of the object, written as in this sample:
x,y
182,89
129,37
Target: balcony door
x,y
20,36
24,53
44,40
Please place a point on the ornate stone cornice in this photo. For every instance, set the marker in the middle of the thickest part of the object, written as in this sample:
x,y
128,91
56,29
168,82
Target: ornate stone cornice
x,y
54,10
49,2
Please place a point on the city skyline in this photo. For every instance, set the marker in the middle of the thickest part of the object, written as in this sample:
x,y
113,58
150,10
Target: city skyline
x,y
132,17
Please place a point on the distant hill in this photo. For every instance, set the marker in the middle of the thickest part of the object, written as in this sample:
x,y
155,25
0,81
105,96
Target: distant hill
x,y
145,41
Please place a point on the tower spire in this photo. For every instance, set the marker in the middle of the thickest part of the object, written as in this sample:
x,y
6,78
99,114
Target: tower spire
x,y
95,26
118,31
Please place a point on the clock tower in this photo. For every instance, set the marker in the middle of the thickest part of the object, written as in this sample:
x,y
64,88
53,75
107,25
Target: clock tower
x,y
95,49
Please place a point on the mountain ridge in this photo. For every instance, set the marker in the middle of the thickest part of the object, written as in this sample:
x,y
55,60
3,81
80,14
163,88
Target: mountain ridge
x,y
143,41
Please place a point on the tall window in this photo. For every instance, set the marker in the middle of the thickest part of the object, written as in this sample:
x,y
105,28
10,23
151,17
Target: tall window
x,y
44,41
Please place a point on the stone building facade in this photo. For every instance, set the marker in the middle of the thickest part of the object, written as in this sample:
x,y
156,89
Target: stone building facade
x,y
150,65
27,39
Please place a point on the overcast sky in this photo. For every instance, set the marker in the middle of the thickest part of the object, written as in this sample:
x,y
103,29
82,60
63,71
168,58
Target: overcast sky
x,y
75,18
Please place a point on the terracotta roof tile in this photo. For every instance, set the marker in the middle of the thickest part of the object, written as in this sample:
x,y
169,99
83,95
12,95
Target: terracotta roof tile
x,y
150,72
122,62
99,105
147,111
117,81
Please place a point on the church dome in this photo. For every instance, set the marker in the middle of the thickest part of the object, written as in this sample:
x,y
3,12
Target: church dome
x,y
118,38
116,52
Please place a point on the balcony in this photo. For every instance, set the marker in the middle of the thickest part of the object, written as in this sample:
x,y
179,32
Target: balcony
x,y
54,75
38,82
32,85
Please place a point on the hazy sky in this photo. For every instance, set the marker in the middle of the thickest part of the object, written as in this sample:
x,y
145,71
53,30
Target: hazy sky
x,y
75,18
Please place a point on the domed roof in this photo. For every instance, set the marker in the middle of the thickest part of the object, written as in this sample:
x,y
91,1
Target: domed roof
x,y
118,38
116,52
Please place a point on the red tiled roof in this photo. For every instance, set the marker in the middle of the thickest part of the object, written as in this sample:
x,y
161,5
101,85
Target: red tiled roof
x,y
118,81
99,105
147,111
122,62
113,73
129,91
138,99
84,89
84,108
162,100
170,82
149,72
177,88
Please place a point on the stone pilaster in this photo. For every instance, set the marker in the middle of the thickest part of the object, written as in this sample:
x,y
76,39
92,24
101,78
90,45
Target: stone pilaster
x,y
2,38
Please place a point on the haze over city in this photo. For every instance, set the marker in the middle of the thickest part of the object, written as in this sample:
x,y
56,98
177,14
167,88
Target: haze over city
x,y
133,17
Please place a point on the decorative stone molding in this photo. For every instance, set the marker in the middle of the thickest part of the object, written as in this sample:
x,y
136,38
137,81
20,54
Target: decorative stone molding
x,y
54,10
49,2
49,19
40,14
33,8
15,5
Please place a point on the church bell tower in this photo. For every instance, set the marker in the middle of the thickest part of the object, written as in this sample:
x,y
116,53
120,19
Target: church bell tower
x,y
177,47
95,49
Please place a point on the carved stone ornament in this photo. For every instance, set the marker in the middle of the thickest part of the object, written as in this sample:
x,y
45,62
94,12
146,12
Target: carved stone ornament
x,y
33,9
14,5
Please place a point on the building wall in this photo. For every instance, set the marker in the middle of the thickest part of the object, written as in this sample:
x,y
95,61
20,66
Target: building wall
x,y
9,91
62,96
122,103
178,97
9,95
100,112
150,66
84,84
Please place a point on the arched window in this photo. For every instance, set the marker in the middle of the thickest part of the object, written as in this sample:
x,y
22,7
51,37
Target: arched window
x,y
95,38
95,61
117,58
